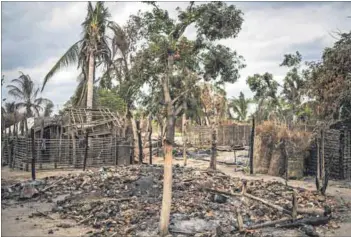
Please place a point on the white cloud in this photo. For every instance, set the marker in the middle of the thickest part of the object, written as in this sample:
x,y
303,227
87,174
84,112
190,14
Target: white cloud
x,y
268,33
64,17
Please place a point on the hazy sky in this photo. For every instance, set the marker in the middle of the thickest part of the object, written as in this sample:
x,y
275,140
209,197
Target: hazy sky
x,y
36,34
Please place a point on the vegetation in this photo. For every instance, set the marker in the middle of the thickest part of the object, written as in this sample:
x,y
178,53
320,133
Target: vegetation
x,y
151,69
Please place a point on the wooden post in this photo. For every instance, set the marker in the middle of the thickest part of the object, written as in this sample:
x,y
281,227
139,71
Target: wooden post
x,y
294,204
184,138
139,142
33,152
234,144
150,140
86,150
41,140
213,163
223,135
322,155
286,162
9,151
117,151
60,142
318,176
131,158
252,145
74,151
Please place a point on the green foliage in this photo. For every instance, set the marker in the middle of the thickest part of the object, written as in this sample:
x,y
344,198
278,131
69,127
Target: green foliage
x,y
240,106
264,86
329,81
110,99
197,59
24,90
48,109
94,40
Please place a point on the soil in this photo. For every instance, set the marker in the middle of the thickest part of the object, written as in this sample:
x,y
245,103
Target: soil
x,y
16,220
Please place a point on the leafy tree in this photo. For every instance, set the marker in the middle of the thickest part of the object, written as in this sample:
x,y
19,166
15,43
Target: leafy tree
x,y
10,114
266,94
48,109
110,99
294,83
329,81
240,106
89,52
24,90
165,55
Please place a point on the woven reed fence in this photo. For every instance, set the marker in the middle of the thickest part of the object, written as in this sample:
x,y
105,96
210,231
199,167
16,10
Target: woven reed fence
x,y
227,135
65,153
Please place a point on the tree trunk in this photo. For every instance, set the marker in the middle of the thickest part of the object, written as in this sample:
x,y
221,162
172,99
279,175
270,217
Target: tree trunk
x,y
213,163
90,83
150,140
26,126
184,138
167,176
135,136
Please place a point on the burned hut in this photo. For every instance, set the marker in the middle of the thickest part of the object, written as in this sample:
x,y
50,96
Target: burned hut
x,y
79,137
334,142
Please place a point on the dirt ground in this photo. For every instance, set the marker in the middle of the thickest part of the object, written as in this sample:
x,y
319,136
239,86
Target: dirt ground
x,y
16,220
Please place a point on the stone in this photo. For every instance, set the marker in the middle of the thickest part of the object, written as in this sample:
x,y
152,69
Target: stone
x,y
220,198
28,191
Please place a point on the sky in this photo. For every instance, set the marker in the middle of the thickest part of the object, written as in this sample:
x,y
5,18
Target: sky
x,y
35,35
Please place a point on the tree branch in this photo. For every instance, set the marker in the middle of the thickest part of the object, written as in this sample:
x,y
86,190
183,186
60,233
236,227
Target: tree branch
x,y
181,94
178,110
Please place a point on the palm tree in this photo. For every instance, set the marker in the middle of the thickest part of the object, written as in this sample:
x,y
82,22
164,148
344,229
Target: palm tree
x,y
240,106
48,109
24,90
88,53
9,114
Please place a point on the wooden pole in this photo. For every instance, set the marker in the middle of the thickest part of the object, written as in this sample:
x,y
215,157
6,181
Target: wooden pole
x,y
33,152
150,140
213,163
140,143
294,204
286,162
117,151
322,155
60,142
184,137
252,145
86,150
234,144
41,140
318,176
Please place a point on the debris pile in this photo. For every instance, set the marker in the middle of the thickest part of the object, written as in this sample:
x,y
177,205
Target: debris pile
x,y
126,201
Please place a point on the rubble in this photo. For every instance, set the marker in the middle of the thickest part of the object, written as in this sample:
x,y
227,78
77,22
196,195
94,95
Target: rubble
x,y
126,200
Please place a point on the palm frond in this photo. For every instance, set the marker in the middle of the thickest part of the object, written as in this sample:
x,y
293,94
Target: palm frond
x,y
69,58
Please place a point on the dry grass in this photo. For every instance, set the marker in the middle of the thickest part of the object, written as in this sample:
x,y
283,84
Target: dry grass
x,y
269,155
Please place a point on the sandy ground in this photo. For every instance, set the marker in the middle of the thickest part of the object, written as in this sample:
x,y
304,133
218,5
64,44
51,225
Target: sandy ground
x,y
15,220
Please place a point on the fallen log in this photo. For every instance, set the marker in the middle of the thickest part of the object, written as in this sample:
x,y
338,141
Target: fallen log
x,y
313,211
307,221
279,208
52,185
309,211
269,224
222,192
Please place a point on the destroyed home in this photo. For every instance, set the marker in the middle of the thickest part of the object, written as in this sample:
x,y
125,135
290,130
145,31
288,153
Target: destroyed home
x,y
175,127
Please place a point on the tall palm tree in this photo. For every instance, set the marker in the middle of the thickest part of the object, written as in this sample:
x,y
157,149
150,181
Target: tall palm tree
x,y
9,115
240,106
88,53
48,109
26,92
